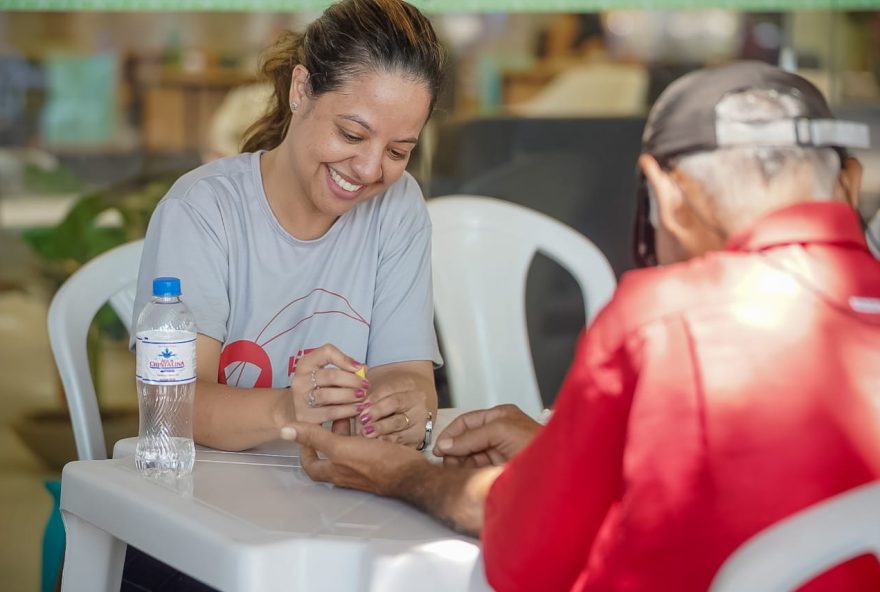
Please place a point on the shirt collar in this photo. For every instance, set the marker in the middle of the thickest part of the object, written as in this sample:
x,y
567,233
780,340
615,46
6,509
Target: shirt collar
x,y
804,222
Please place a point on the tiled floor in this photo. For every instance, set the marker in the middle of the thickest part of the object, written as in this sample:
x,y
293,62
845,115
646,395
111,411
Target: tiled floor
x,y
28,382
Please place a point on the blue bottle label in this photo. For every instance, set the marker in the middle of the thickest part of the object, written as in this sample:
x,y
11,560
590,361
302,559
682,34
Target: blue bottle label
x,y
166,358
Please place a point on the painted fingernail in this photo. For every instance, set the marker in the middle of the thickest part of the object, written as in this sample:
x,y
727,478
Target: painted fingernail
x,y
360,407
365,418
360,394
366,384
369,430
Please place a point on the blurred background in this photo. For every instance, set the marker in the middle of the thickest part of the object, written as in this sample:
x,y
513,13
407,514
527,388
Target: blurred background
x,y
100,110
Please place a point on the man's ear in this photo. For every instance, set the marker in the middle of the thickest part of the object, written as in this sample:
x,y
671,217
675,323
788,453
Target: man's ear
x,y
673,212
299,86
851,180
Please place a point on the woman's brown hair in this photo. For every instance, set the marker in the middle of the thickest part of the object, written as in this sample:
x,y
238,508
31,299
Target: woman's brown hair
x,y
351,38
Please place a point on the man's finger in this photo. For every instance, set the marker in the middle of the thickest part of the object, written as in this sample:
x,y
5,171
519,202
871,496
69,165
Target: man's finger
x,y
464,422
310,436
495,457
316,468
451,461
473,420
477,460
307,458
469,442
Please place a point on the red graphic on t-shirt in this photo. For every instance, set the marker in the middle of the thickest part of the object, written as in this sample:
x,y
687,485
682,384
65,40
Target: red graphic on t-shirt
x,y
294,360
240,353
243,352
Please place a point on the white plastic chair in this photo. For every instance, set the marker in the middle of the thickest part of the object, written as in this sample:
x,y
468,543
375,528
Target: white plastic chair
x,y
800,547
112,276
482,249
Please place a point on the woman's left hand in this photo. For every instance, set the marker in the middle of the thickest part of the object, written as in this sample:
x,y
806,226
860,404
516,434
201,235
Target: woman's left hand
x,y
398,403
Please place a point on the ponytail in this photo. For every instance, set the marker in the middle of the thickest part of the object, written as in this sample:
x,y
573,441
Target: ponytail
x,y
276,66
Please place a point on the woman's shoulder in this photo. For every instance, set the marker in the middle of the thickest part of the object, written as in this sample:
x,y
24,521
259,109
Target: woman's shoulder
x,y
406,188
398,214
403,199
218,179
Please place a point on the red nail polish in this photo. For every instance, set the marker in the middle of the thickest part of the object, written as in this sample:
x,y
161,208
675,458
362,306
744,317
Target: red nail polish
x,y
365,384
365,418
360,408
359,394
369,430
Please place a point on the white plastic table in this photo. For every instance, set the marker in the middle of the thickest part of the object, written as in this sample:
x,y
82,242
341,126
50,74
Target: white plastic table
x,y
254,521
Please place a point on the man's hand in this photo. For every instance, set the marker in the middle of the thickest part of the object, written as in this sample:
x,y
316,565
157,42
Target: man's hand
x,y
370,465
453,495
486,437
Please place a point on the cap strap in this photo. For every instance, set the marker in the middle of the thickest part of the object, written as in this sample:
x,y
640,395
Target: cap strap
x,y
793,132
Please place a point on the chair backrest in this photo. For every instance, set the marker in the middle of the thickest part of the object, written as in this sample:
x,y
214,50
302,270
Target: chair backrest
x,y
579,170
110,277
794,550
482,249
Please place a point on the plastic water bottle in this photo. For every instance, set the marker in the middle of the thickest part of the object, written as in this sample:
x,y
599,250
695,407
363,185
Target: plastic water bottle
x,y
166,375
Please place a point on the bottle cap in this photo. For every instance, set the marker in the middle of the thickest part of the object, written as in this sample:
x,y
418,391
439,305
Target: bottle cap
x,y
166,286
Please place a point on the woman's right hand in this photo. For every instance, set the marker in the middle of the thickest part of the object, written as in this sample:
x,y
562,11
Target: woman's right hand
x,y
318,393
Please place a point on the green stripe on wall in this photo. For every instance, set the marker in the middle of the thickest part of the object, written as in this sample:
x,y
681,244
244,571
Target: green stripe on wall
x,y
435,6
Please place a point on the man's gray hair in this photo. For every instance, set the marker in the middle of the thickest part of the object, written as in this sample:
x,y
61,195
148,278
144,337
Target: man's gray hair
x,y
745,182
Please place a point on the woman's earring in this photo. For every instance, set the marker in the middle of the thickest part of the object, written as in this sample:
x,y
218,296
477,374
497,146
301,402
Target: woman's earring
x,y
293,106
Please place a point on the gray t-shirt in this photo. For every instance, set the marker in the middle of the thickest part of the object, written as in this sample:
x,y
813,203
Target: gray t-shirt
x,y
365,286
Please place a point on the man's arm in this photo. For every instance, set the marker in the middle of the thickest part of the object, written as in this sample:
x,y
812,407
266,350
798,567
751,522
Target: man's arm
x,y
453,495
549,504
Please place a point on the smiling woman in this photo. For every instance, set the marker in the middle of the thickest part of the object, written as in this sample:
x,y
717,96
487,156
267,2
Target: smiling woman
x,y
307,257
342,148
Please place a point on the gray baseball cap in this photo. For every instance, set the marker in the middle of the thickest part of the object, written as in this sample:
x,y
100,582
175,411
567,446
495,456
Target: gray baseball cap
x,y
684,119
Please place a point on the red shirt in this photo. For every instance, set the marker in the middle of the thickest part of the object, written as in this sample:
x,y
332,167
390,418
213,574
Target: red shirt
x,y
707,401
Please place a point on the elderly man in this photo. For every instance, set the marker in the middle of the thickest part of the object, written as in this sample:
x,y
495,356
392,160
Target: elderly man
x,y
735,384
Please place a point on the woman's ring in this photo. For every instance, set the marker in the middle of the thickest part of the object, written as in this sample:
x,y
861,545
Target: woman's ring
x,y
311,399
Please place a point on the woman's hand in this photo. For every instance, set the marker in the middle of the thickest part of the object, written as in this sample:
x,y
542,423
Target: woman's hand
x,y
397,407
319,393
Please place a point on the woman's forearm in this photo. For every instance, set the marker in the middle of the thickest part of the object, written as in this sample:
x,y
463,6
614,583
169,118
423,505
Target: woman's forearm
x,y
232,418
